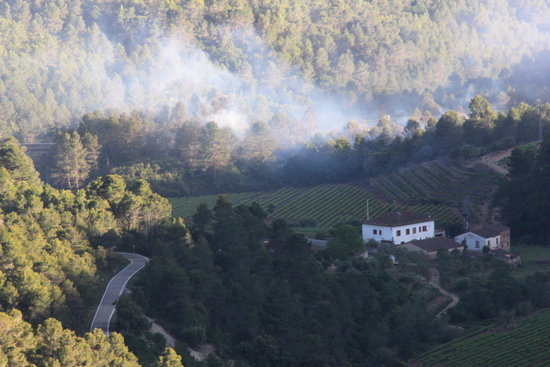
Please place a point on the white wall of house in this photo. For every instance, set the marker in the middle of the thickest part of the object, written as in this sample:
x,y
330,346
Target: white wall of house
x,y
377,233
494,242
476,242
398,235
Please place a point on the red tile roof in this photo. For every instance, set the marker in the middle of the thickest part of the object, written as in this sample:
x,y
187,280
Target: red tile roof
x,y
398,218
491,230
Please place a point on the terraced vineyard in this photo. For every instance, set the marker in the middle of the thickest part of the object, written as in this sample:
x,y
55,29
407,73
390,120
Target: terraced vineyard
x,y
326,205
527,345
436,181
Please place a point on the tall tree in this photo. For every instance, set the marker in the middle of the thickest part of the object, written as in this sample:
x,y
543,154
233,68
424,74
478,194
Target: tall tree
x,y
187,144
71,167
93,149
259,143
216,146
481,121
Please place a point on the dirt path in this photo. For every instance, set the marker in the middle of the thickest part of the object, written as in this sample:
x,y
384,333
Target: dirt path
x,y
156,328
434,280
491,160
199,354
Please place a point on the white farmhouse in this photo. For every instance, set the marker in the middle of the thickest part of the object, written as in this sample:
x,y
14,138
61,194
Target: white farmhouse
x,y
494,236
398,227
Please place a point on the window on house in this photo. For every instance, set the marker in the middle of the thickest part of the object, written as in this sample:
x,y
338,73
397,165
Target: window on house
x,y
477,244
425,229
398,233
374,231
497,240
408,231
414,230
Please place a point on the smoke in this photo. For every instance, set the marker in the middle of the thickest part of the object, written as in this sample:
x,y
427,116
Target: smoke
x,y
171,71
241,80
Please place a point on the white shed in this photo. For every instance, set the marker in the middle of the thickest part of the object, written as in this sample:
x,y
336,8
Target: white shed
x,y
494,236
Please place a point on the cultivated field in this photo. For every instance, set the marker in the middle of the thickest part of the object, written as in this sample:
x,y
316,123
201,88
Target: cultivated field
x,y
526,344
437,182
320,206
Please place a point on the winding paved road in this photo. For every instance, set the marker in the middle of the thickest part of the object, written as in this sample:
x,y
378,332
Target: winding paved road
x,y
116,286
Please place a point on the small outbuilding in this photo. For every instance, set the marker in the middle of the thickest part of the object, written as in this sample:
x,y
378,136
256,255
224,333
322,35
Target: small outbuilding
x,y
431,246
494,236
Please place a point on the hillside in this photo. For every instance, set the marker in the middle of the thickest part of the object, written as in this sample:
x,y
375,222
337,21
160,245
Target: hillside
x,y
262,59
441,189
467,188
55,262
321,206
523,343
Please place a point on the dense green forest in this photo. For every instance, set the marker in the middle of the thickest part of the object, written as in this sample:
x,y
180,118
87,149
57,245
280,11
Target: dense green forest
x,y
143,98
524,195
191,158
53,258
262,298
237,61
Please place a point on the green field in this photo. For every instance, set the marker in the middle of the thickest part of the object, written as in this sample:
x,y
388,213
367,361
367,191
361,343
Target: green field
x,y
324,205
526,344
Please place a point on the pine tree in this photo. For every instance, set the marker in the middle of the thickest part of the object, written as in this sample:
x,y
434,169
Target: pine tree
x,y
216,146
93,149
71,166
259,143
169,358
13,158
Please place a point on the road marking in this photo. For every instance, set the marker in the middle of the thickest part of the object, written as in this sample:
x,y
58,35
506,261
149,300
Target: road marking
x,y
132,258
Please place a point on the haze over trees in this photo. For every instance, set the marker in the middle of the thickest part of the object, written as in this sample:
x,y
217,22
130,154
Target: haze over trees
x,y
237,62
190,158
143,98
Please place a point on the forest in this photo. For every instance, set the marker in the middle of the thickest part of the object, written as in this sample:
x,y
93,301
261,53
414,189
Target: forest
x,y
139,100
188,158
53,249
262,298
298,66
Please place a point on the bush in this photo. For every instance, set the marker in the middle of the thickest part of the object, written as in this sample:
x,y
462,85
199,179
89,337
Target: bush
x,y
307,222
194,335
524,308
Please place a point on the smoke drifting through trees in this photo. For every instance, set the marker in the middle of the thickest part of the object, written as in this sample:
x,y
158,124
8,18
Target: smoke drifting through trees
x,y
260,61
178,81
